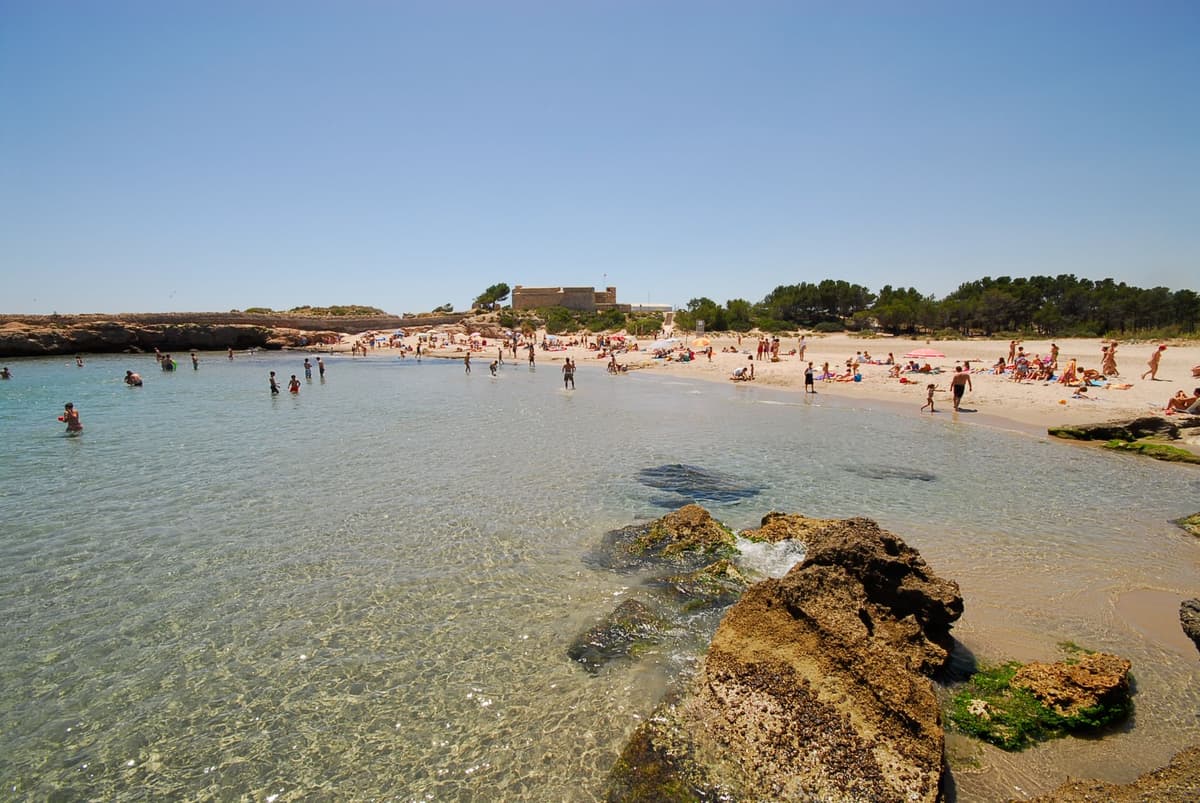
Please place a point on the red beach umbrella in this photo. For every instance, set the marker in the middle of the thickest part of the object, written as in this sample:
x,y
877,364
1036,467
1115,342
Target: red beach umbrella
x,y
921,354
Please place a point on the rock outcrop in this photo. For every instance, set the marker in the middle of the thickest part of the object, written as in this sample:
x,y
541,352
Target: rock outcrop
x,y
1178,782
815,686
688,539
1189,619
1095,680
1143,427
1191,524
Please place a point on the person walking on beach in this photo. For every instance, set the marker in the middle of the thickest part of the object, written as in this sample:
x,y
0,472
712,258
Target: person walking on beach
x,y
809,387
802,347
467,362
929,398
959,385
320,368
1153,363
71,417
1108,359
568,371
274,385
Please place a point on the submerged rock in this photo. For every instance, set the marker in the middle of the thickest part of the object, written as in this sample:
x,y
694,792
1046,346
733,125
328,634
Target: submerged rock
x,y
881,472
695,484
815,685
1189,619
715,586
688,538
1178,782
629,628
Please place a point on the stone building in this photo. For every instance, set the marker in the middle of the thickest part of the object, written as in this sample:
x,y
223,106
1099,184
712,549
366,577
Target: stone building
x,y
582,299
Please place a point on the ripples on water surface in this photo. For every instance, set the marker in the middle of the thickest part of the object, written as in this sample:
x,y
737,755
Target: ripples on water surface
x,y
366,591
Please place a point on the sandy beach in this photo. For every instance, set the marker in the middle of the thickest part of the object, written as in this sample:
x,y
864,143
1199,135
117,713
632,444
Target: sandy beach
x,y
1029,406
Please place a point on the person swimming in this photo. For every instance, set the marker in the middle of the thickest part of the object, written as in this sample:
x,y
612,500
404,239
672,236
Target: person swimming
x,y
132,379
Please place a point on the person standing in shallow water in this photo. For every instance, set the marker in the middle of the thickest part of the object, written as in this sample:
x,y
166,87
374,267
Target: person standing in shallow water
x,y
320,368
274,385
307,369
809,387
467,362
294,385
568,370
195,362
71,417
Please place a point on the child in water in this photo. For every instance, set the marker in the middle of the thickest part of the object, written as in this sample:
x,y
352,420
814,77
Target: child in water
x,y
929,399
294,385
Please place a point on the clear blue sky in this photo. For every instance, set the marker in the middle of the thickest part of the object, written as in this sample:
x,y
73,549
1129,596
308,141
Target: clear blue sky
x,y
187,156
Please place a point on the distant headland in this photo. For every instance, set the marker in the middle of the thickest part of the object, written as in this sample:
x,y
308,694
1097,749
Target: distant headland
x,y
99,333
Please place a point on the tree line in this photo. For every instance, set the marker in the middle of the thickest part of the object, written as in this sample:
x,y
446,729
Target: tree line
x,y
1059,306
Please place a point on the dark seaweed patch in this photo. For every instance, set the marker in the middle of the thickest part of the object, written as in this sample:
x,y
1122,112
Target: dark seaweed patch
x,y
694,484
880,472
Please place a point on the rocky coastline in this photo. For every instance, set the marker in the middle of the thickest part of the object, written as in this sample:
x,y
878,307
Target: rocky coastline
x,y
49,335
822,684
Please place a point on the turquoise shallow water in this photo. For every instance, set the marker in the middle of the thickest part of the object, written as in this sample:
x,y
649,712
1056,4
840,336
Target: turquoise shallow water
x,y
367,590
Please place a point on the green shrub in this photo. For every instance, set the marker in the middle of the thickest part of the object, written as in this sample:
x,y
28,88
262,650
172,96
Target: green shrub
x,y
829,327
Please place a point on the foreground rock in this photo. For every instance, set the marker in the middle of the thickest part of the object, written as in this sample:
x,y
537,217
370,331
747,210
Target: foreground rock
x,y
1191,524
693,548
1189,619
1178,782
815,686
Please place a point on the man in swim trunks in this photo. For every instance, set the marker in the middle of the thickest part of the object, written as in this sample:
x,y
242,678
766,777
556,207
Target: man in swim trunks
x,y
808,380
568,370
132,379
274,385
307,369
320,368
959,384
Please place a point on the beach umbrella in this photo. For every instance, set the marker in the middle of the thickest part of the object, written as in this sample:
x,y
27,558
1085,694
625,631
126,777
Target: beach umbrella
x,y
701,343
922,354
665,343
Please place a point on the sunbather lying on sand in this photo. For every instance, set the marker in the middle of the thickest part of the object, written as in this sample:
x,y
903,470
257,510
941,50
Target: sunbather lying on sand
x,y
1183,403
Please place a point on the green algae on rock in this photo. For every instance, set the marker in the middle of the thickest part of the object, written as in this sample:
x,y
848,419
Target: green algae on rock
x,y
1159,451
1014,706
